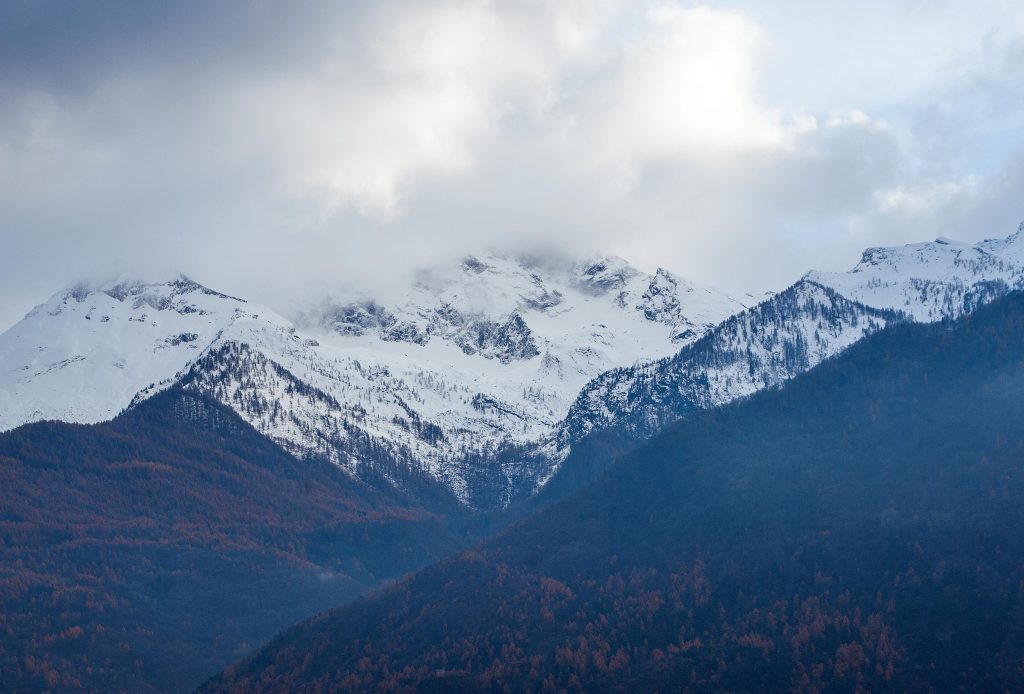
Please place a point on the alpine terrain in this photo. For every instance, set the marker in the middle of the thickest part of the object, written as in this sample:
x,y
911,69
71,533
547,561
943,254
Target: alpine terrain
x,y
297,463
456,391
858,529
473,388
816,318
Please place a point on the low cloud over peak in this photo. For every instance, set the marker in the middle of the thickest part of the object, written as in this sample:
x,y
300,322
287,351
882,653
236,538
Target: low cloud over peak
x,y
276,149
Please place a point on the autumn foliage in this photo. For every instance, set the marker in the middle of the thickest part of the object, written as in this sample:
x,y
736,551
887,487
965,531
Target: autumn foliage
x,y
861,529
151,551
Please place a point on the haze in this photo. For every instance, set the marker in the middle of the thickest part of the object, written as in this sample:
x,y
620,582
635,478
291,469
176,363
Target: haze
x,y
280,150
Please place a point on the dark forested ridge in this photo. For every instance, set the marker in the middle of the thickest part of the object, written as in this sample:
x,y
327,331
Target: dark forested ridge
x,y
151,551
861,528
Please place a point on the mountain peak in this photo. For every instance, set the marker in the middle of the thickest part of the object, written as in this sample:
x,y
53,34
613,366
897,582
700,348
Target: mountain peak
x,y
175,291
602,274
933,280
85,353
482,355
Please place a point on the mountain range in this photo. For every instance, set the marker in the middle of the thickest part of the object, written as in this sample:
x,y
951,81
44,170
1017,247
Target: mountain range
x,y
459,388
474,387
187,473
858,529
816,318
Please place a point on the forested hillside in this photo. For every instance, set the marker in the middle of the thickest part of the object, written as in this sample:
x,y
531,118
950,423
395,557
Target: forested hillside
x,y
861,528
150,551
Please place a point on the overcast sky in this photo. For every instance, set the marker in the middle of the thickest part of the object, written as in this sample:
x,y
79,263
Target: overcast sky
x,y
276,149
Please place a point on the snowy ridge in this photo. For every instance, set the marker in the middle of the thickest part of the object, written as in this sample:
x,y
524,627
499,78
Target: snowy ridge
x,y
84,354
477,382
468,378
462,384
935,280
758,348
480,306
790,332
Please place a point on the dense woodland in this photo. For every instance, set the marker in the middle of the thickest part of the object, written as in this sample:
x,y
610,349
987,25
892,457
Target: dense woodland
x,y
152,551
861,529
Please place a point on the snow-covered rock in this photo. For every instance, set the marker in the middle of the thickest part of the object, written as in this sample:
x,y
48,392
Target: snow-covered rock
x,y
935,280
792,331
758,348
84,354
462,384
476,382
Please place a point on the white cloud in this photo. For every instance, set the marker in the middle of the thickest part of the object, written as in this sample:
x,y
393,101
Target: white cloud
x,y
687,87
927,198
430,83
266,148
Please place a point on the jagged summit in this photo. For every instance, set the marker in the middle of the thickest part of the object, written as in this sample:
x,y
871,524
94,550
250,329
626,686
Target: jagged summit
x,y
478,300
758,348
83,354
792,331
461,382
933,280
482,374
160,292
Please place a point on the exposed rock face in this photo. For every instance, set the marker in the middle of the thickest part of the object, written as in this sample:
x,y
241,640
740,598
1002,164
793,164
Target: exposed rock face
x,y
456,390
792,331
479,380
758,348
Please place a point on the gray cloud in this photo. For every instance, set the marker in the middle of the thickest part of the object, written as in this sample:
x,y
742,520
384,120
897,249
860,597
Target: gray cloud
x,y
278,151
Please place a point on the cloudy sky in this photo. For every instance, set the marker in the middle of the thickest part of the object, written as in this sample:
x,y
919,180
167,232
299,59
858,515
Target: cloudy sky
x,y
277,149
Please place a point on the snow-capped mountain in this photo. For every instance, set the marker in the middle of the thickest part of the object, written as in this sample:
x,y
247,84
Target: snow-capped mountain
x,y
758,348
477,382
461,385
84,354
932,281
479,306
792,331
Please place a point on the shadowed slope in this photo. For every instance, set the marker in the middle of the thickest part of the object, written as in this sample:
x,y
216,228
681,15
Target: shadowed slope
x,y
147,552
860,527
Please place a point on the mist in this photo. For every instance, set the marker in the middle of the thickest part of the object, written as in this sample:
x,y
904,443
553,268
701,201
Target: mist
x,y
281,155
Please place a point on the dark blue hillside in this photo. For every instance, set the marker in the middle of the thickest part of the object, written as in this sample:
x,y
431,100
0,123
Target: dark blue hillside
x,y
861,528
151,551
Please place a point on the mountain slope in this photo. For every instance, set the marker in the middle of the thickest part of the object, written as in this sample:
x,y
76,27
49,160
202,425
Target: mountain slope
x,y
84,354
456,391
932,281
790,332
474,386
759,348
145,553
860,528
